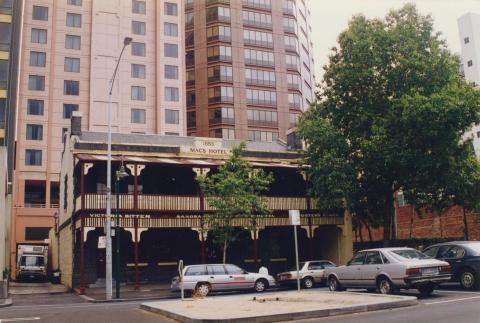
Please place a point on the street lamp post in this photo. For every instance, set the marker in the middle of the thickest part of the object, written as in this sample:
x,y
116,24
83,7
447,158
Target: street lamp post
x,y
121,173
108,215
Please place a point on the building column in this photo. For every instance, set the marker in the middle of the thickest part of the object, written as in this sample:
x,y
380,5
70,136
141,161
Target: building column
x,y
345,240
135,170
202,233
135,251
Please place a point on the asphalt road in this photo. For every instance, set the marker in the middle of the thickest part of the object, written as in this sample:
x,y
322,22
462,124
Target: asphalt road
x,y
450,304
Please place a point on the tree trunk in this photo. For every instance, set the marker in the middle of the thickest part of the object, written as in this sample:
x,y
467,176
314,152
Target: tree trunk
x,y
465,224
360,230
225,246
387,217
369,230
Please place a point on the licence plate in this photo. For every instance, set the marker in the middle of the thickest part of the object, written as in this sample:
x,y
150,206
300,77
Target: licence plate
x,y
430,271
283,277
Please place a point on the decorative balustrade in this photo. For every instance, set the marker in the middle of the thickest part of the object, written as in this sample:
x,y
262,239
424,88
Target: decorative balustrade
x,y
178,202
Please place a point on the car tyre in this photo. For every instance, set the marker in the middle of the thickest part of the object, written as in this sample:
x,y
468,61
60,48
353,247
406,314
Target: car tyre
x,y
334,285
469,280
203,289
426,290
385,286
261,285
308,282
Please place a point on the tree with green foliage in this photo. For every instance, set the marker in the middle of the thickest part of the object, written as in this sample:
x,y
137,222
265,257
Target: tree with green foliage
x,y
390,115
234,193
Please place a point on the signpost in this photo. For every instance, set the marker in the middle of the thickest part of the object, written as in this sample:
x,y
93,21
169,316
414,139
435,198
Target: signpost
x,y
294,219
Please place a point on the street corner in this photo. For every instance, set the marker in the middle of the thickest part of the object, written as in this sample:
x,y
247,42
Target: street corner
x,y
277,306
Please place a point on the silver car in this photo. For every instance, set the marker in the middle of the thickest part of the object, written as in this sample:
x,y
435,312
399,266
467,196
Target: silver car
x,y
311,273
204,279
388,270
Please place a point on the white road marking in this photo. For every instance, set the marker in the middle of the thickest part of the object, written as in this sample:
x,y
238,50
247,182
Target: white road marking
x,y
453,300
18,319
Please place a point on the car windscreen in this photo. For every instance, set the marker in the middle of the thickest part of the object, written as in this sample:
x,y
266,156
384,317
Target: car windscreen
x,y
31,261
410,254
474,248
294,267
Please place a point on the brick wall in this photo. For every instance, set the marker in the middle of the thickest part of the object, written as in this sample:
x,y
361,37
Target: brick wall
x,y
412,224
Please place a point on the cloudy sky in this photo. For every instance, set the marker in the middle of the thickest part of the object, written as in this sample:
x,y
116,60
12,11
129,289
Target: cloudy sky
x,y
330,17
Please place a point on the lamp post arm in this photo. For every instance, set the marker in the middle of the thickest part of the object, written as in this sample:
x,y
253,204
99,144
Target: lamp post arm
x,y
112,81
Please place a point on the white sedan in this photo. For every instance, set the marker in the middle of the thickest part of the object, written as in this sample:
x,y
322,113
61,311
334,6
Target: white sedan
x,y
311,273
388,270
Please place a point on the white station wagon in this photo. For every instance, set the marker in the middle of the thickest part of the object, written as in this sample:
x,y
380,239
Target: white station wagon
x,y
220,277
388,270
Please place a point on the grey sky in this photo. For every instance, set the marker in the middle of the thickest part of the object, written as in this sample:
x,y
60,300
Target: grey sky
x,y
330,17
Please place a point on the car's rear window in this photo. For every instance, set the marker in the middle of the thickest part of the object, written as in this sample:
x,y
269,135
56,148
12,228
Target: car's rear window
x,y
410,254
475,248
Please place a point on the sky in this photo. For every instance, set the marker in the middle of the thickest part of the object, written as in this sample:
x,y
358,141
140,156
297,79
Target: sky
x,y
330,18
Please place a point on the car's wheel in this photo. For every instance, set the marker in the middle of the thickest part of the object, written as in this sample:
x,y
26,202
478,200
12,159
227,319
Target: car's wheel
x,y
261,285
334,284
308,282
202,289
385,286
426,290
469,280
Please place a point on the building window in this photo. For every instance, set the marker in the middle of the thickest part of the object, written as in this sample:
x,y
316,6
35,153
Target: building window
x,y
190,58
191,119
223,33
35,193
138,28
5,36
220,94
138,71
257,19
38,59
3,73
39,36
223,53
171,50
225,133
138,49
71,87
294,101
171,72
68,110
257,38
218,14
36,83
34,233
257,135
171,94
172,116
35,107
139,7
40,13
170,29
191,98
72,65
33,157
74,2
138,93
291,43
259,4
470,63
292,62
262,118
290,25
190,78
293,119
72,42
466,40
220,73
293,81
260,77
34,132
260,97
189,19
190,38
74,20
258,57
170,9
137,116
221,115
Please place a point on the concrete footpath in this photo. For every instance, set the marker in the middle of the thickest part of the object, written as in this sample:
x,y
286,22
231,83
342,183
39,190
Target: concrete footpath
x,y
274,307
128,293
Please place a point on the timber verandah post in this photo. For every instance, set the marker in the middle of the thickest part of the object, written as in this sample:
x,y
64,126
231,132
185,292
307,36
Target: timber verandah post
x,y
82,254
309,217
137,274
82,185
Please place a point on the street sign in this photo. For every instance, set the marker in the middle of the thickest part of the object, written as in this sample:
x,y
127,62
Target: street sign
x,y
102,242
294,217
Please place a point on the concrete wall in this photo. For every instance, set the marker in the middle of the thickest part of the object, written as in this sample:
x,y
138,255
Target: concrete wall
x,y
4,220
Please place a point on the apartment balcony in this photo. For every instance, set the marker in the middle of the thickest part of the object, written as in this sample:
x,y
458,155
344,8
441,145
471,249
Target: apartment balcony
x,y
176,203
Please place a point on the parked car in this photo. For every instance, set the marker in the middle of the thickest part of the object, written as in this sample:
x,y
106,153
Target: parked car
x,y
464,259
204,279
310,272
388,270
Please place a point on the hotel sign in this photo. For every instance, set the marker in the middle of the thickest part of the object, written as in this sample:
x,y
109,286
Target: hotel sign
x,y
206,146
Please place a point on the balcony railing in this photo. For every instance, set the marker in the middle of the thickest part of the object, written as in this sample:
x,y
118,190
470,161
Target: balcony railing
x,y
152,202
